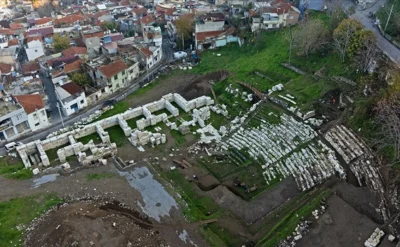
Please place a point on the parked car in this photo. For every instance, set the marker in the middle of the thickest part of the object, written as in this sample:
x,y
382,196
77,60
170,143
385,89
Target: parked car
x,y
109,102
12,145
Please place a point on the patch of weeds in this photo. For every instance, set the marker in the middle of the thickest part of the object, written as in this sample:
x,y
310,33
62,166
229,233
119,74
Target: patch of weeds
x,y
20,212
98,176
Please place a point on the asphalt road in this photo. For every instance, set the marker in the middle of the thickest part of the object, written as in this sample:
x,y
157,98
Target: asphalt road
x,y
56,121
362,16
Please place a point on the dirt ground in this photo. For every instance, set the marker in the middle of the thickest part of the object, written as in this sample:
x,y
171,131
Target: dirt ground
x,y
92,224
112,188
340,226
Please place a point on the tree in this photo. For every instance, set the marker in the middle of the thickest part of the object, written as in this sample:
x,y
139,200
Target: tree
x,y
388,117
343,34
259,42
363,49
336,15
108,25
309,37
60,42
80,78
184,27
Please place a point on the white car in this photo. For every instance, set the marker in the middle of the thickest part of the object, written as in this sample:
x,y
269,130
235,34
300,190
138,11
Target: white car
x,y
12,145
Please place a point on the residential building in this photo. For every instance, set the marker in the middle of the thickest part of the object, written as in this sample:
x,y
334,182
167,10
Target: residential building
x,y
9,56
75,51
113,75
152,35
45,31
28,85
149,56
275,14
43,22
13,119
211,32
7,73
34,107
34,50
30,69
70,21
72,98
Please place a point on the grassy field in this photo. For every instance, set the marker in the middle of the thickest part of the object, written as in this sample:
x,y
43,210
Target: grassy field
x,y
383,15
14,170
20,212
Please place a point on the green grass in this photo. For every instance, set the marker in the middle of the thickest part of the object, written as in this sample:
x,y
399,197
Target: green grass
x,y
212,239
14,171
52,153
383,15
178,137
198,207
21,211
117,135
99,176
95,137
120,107
289,222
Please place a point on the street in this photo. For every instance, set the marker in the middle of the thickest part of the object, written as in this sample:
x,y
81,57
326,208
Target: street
x,y
362,16
56,121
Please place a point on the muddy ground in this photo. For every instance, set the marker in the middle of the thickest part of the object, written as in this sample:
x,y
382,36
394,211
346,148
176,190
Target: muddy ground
x,y
117,188
341,226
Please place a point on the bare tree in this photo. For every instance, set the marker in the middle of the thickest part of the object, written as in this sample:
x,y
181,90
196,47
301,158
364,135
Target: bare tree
x,y
388,116
309,37
367,50
343,34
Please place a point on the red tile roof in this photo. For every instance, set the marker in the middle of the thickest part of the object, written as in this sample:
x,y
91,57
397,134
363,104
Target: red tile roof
x,y
72,67
44,20
100,13
112,69
70,19
146,51
6,31
99,34
140,11
204,35
5,68
279,7
43,31
146,20
32,38
30,102
13,42
72,88
74,50
16,26
30,68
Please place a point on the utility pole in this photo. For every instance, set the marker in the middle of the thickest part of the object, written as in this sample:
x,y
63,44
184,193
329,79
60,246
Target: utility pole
x,y
390,14
291,42
59,112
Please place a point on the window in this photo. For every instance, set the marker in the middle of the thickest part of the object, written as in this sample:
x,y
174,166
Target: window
x,y
19,117
35,50
35,116
82,101
116,77
123,72
37,124
43,113
291,17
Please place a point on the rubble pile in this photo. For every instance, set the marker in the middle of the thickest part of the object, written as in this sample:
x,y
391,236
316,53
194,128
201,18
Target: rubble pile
x,y
375,238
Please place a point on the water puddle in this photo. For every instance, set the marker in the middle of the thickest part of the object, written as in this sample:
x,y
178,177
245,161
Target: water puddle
x,y
44,179
184,236
157,202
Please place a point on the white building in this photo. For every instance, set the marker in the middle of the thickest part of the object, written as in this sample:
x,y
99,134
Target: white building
x,y
34,50
71,97
152,35
35,109
150,56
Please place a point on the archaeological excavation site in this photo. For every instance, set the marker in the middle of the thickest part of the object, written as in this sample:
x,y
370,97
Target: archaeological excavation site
x,y
211,164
